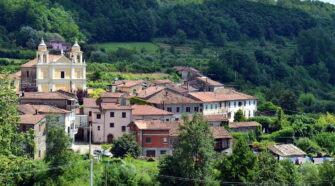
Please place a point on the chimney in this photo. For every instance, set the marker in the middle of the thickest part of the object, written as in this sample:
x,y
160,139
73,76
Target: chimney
x,y
36,112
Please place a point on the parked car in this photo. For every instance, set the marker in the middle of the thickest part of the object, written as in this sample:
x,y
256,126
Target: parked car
x,y
102,152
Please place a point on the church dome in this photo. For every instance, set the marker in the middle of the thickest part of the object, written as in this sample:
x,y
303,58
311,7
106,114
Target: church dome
x,y
42,46
75,47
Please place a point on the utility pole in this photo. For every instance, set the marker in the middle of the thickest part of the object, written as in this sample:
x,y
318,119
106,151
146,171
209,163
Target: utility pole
x,y
89,154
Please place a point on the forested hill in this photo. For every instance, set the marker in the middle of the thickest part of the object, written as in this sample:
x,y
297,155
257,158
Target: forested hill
x,y
282,51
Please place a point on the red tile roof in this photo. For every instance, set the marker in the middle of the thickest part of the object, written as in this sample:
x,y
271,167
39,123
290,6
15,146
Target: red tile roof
x,y
173,127
33,62
183,68
243,124
209,81
214,118
44,109
147,110
221,96
90,103
31,119
150,91
127,83
114,106
169,97
46,95
113,94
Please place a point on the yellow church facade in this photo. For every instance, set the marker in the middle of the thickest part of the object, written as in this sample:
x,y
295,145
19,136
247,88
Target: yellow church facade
x,y
54,72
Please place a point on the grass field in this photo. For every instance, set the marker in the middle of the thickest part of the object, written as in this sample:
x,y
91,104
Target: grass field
x,y
150,47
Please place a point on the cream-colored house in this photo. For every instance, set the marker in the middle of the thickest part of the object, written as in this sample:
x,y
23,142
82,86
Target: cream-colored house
x,y
47,73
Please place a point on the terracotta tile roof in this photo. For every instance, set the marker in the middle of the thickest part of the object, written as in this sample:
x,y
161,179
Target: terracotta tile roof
x,y
127,83
90,103
218,132
243,124
150,91
183,68
31,119
162,81
33,62
286,150
46,95
147,110
113,94
215,118
221,96
16,75
114,106
169,97
156,124
209,81
43,109
173,127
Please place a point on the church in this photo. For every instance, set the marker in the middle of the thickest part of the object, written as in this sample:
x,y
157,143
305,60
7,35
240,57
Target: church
x,y
47,72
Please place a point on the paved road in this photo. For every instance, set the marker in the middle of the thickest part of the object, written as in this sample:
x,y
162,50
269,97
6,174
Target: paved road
x,y
83,147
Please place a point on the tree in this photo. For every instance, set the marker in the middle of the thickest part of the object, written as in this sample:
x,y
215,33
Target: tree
x,y
289,102
236,167
309,173
180,37
239,116
288,172
266,170
192,156
125,145
11,141
327,172
277,124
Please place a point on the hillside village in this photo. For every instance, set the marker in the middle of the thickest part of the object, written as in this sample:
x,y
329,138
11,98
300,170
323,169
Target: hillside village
x,y
152,111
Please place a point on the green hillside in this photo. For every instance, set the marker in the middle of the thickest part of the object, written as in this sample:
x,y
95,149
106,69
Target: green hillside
x,y
267,48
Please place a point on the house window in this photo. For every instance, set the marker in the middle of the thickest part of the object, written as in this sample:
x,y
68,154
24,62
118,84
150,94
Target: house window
x,y
24,128
111,114
163,152
39,153
188,109
124,114
234,103
90,113
215,106
206,107
98,128
169,109
244,103
196,109
62,74
211,106
111,125
240,103
123,128
165,140
167,119
176,119
27,73
98,116
148,140
178,109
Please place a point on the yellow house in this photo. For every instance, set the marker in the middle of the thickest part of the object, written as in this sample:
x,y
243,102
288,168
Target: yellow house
x,y
48,73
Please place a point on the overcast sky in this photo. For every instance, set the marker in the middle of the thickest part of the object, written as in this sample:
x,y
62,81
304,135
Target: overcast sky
x,y
329,1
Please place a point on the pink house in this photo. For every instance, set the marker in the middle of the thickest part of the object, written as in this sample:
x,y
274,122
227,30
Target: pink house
x,y
109,116
58,45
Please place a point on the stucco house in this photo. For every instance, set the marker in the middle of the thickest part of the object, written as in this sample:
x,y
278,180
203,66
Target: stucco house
x,y
175,103
37,123
109,116
158,137
226,102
